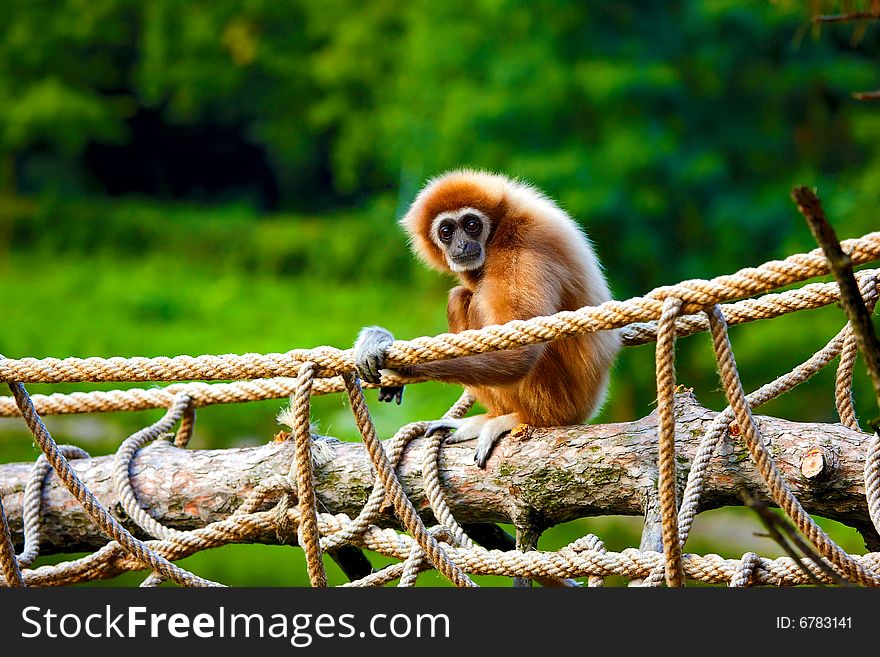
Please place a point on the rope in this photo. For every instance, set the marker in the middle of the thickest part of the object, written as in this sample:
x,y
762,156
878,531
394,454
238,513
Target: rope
x,y
412,567
768,306
402,505
416,562
695,294
810,296
8,563
750,562
575,560
666,440
592,542
140,399
122,467
843,396
309,537
872,480
431,475
764,461
33,500
91,504
718,429
187,423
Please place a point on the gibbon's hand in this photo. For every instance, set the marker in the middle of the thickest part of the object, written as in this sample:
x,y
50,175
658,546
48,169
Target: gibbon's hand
x,y
369,359
391,394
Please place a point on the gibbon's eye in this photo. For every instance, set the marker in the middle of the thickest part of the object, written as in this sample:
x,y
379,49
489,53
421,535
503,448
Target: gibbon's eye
x,y
472,224
445,232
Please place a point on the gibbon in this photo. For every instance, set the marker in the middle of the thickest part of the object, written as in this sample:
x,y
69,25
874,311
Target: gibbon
x,y
517,255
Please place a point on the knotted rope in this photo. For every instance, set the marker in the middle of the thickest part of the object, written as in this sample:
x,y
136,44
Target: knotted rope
x,y
781,493
666,440
91,504
308,535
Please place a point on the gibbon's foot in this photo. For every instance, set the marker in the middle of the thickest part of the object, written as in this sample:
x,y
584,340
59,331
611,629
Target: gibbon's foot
x,y
487,430
492,431
391,394
466,429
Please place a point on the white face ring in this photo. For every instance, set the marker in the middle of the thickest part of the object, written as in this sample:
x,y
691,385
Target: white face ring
x,y
456,215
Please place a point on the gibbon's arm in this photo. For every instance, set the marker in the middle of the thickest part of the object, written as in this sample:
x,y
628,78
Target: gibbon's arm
x,y
498,303
493,369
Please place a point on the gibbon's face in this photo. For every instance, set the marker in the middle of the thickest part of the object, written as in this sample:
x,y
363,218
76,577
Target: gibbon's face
x,y
462,235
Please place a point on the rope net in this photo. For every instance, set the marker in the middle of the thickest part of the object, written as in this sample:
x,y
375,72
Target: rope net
x,y
286,505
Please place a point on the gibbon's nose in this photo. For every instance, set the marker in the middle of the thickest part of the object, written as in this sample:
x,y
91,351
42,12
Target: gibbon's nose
x,y
468,249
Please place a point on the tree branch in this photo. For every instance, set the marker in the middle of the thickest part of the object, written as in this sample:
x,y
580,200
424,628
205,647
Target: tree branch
x,y
841,267
558,474
867,95
843,18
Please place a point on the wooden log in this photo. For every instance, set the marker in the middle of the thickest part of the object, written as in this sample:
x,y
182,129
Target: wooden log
x,y
551,475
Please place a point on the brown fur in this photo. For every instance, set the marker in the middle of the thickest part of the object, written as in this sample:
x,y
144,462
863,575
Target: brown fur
x,y
537,263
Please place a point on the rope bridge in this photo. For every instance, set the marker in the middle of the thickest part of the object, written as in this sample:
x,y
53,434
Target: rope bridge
x,y
286,504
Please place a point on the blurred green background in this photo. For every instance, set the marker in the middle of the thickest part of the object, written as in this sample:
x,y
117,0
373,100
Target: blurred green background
x,y
226,177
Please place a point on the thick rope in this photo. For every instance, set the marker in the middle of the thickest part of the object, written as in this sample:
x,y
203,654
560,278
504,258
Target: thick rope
x,y
140,399
416,562
412,567
187,424
750,562
431,474
872,480
402,505
593,542
779,489
695,294
767,306
122,467
33,501
90,503
8,563
434,490
666,440
308,537
575,560
812,295
718,429
843,394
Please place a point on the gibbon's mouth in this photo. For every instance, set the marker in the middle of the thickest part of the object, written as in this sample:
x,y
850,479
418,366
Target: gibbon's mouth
x,y
467,262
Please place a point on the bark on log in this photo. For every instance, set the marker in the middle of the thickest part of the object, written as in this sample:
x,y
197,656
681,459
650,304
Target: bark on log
x,y
549,475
